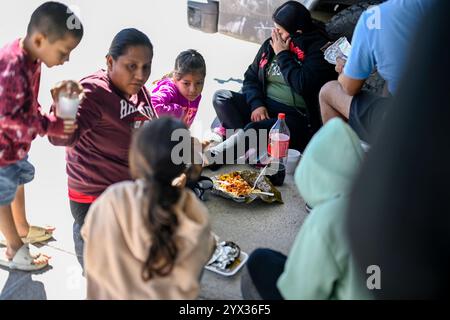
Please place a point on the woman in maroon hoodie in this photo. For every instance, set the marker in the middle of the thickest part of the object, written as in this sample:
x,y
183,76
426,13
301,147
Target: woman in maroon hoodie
x,y
116,102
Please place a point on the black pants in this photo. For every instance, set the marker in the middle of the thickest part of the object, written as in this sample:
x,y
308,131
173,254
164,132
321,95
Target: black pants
x,y
264,267
367,114
79,212
234,113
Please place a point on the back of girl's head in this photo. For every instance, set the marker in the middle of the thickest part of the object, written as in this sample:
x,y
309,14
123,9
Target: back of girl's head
x,y
151,159
151,150
128,38
188,62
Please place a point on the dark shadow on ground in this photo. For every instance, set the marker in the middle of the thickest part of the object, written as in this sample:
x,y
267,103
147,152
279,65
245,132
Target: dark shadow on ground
x,y
21,286
44,243
221,81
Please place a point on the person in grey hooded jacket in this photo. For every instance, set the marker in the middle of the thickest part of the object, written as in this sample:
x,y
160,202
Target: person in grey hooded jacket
x,y
320,263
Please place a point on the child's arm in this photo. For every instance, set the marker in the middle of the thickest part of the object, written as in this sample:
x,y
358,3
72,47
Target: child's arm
x,y
52,125
19,122
87,118
162,101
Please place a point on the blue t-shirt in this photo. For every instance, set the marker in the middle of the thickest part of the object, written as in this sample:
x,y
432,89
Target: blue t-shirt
x,y
382,40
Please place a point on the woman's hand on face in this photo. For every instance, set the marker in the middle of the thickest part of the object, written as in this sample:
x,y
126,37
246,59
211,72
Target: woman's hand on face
x,y
73,88
260,114
278,44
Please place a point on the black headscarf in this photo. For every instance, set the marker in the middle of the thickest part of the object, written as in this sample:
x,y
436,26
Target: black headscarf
x,y
293,16
399,215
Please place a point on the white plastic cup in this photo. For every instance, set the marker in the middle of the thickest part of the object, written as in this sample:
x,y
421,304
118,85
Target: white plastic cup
x,y
293,160
67,108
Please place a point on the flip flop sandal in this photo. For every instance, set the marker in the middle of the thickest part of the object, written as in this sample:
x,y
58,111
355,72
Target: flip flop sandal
x,y
35,235
22,261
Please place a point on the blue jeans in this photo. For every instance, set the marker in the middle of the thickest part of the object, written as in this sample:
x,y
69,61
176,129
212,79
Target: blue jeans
x,y
79,212
13,176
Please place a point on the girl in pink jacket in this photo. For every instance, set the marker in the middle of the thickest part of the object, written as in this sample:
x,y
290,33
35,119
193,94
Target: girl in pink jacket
x,y
179,93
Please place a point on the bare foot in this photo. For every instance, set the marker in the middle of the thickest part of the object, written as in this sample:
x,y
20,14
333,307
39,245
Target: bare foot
x,y
23,229
10,253
49,229
41,259
37,258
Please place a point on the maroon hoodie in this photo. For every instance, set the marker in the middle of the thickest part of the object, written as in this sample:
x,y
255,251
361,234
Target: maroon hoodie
x,y
97,153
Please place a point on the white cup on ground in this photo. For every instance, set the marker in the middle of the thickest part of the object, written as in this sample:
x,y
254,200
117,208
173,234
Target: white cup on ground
x,y
292,161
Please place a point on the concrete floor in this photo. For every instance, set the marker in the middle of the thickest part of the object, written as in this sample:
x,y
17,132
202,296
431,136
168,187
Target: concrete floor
x,y
251,226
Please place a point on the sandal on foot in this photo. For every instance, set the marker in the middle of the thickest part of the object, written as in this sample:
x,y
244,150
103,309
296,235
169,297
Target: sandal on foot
x,y
22,261
38,234
35,235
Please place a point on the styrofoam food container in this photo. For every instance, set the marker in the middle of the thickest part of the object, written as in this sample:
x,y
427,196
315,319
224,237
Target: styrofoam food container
x,y
243,257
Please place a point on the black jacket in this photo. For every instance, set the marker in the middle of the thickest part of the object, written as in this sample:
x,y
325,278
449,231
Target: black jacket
x,y
303,67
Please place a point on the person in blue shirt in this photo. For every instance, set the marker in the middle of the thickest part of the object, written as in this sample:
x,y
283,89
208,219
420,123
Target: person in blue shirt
x,y
398,216
382,42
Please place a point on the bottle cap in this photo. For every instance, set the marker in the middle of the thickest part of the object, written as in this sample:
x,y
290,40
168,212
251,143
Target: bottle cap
x,y
281,116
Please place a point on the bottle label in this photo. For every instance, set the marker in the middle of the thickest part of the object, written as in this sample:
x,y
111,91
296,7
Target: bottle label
x,y
278,149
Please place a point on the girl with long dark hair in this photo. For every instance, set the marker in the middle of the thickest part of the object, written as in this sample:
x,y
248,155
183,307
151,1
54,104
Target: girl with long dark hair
x,y
148,239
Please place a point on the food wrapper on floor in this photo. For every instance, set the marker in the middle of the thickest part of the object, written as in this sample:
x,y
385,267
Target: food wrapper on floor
x,y
237,186
227,260
225,254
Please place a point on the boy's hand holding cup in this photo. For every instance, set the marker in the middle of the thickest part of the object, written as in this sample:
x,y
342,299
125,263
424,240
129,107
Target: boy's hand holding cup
x,y
68,96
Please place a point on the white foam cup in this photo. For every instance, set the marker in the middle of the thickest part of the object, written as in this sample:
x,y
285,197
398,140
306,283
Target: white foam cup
x,y
67,108
292,161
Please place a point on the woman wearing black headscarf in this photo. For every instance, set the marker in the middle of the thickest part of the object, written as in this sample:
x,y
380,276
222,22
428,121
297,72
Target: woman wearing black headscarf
x,y
285,77
399,217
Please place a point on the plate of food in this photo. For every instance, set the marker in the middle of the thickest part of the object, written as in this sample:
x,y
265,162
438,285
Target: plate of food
x,y
227,259
240,186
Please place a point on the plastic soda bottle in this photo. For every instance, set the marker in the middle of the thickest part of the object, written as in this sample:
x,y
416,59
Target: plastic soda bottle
x,y
279,137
